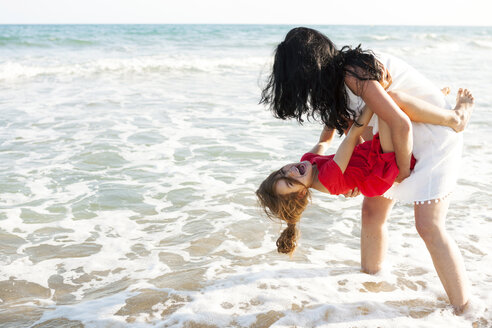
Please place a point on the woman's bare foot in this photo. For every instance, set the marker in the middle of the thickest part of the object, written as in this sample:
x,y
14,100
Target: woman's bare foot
x,y
459,310
446,91
464,107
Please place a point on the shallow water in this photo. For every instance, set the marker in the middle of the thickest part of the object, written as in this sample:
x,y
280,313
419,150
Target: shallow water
x,y
129,157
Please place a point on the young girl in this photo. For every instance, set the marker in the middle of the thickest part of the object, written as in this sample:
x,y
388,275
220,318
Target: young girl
x,y
369,166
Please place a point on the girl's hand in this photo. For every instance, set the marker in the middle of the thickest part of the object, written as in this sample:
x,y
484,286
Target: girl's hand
x,y
352,193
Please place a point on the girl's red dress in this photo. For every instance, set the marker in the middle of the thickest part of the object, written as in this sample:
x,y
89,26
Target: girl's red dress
x,y
369,169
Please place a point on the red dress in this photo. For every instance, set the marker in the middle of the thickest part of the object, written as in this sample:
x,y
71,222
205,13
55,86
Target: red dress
x,y
369,169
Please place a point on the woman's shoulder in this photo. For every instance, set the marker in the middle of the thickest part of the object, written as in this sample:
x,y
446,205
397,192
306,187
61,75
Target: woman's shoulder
x,y
354,73
384,56
390,61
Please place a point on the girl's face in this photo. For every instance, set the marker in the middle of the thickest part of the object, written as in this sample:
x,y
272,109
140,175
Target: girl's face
x,y
301,172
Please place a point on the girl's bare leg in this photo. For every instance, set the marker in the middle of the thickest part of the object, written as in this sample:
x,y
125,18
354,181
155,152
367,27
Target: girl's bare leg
x,y
421,111
447,259
385,136
464,107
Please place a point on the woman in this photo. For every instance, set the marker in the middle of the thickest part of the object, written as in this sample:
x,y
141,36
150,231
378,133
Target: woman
x,y
311,77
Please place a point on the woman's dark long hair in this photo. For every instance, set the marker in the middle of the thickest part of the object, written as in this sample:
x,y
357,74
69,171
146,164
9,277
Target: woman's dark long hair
x,y
308,78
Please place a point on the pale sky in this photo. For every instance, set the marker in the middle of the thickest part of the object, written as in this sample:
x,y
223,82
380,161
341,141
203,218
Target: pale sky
x,y
308,12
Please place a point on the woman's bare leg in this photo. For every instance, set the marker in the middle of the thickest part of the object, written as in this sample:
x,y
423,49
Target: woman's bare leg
x,y
447,259
374,233
421,111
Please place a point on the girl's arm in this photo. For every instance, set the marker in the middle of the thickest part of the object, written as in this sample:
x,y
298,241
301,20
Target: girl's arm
x,y
346,148
381,103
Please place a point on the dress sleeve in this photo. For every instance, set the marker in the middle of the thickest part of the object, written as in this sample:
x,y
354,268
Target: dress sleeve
x,y
331,176
308,157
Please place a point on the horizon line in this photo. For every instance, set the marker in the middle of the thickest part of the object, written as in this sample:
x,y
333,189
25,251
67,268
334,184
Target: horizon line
x,y
246,24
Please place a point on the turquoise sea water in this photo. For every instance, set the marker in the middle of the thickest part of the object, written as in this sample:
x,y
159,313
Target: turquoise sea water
x,y
129,157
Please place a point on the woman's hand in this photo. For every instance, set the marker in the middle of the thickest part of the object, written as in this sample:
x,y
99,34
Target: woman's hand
x,y
327,135
402,175
352,193
324,141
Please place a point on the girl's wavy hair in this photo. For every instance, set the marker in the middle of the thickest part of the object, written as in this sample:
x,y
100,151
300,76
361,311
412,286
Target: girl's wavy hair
x,y
287,208
308,77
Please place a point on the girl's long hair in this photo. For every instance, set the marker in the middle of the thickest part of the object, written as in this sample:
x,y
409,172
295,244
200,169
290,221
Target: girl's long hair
x,y
287,208
308,77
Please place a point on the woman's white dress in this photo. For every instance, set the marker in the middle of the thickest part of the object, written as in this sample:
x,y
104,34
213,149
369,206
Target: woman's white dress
x,y
436,148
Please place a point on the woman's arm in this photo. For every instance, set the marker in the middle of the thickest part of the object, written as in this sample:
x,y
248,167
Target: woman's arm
x,y
381,103
324,141
346,148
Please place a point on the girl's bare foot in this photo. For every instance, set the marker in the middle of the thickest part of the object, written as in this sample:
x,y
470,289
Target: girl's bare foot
x,y
464,107
446,91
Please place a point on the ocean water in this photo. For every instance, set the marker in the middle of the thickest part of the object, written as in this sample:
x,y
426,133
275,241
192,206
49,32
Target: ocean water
x,y
129,157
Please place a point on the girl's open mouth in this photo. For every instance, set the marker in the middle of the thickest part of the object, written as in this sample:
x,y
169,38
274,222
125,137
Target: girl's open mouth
x,y
302,168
